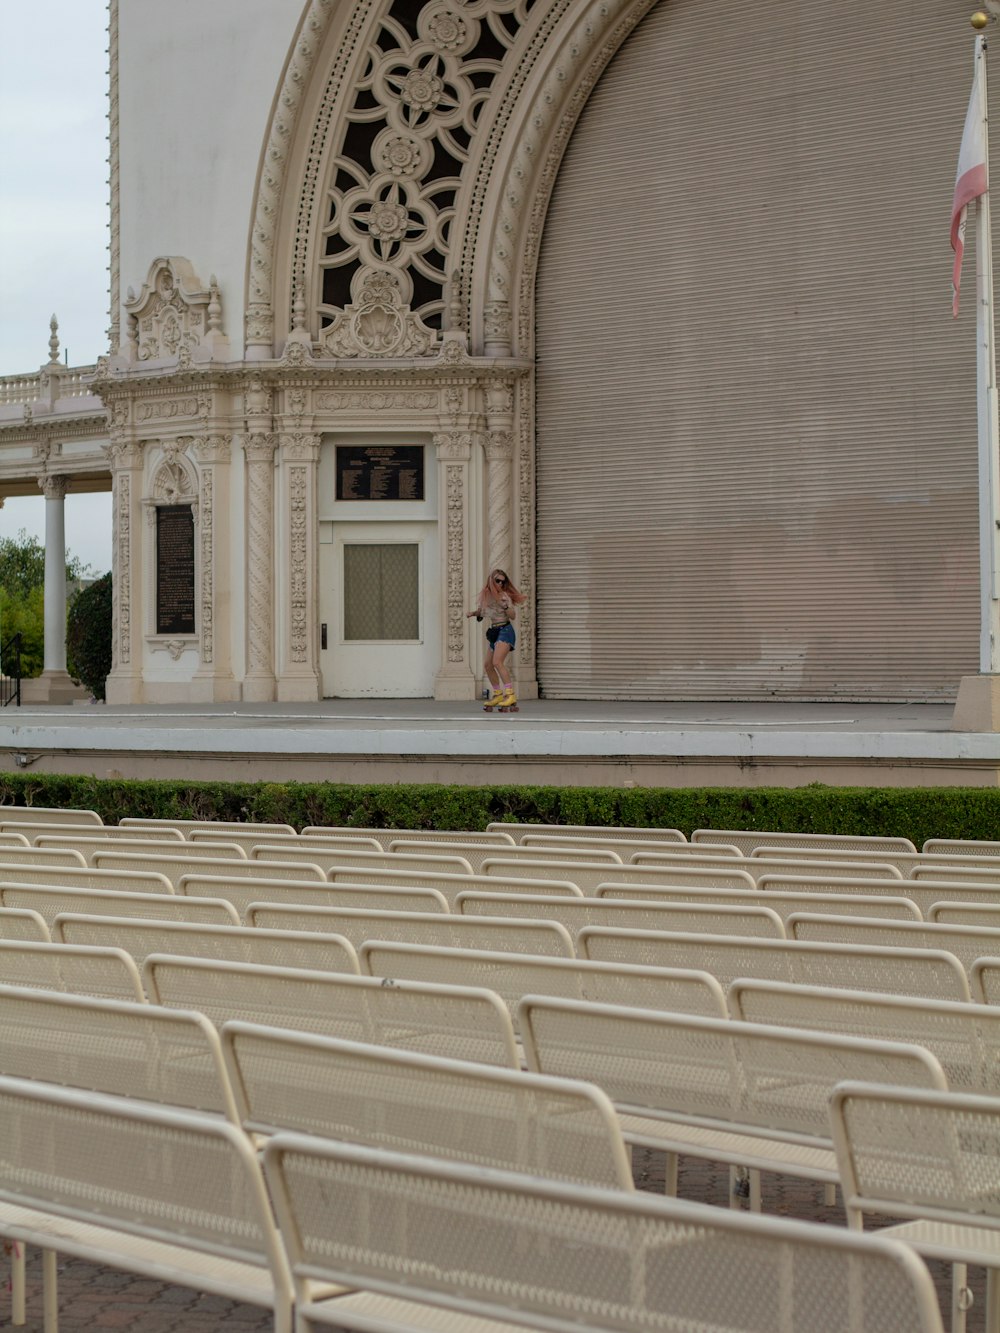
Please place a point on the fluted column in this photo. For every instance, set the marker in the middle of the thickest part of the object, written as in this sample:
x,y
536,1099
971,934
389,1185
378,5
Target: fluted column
x,y
455,679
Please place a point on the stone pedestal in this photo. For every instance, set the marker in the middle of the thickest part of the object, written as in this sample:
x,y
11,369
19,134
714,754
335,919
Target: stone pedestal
x,y
52,687
977,707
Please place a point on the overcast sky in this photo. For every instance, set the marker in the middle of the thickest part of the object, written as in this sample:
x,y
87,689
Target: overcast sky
x,y
54,218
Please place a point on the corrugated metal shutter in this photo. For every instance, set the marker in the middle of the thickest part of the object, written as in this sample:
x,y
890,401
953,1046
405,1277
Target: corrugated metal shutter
x,y
757,420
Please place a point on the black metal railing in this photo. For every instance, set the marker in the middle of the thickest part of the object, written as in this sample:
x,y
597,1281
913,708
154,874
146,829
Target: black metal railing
x,y
10,672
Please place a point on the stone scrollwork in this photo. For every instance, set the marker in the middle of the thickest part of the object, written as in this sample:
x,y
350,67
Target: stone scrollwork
x,y
378,321
174,317
174,481
300,520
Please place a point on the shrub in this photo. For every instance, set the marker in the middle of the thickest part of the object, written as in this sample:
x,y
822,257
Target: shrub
x,y
88,636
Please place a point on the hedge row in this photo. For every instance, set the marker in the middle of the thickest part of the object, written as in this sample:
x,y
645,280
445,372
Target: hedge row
x,y
913,812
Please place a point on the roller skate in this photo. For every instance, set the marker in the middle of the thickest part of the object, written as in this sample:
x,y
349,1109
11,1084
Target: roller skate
x,y
507,703
491,700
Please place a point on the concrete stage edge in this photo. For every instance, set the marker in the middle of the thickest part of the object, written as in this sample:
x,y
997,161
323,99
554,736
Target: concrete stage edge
x,y
550,741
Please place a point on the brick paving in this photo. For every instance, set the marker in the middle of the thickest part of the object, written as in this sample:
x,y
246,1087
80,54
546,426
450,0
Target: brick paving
x,y
101,1300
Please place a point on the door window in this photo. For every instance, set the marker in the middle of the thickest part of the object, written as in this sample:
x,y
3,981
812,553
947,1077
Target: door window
x,y
381,591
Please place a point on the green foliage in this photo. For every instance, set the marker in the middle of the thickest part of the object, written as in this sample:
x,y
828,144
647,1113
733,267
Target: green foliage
x,y
88,636
23,615
917,813
22,608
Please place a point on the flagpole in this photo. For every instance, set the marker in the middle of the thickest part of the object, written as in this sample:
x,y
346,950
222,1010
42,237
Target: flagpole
x,y
987,416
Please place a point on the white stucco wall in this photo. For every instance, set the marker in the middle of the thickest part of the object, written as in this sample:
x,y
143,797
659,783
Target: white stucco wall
x,y
197,81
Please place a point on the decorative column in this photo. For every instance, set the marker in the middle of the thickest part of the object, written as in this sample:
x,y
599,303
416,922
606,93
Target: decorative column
x,y
298,672
124,684
213,681
55,685
259,446
455,679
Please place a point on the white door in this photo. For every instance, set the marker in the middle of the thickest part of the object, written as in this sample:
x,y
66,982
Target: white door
x,y
379,605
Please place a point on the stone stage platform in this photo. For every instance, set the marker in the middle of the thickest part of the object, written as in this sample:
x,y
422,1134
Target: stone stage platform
x,y
549,741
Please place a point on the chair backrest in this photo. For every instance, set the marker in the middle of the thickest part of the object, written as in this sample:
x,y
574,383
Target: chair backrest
x,y
55,857
475,853
588,878
156,1172
171,864
424,1104
898,971
243,891
218,825
983,872
450,885
80,832
906,863
40,814
965,914
744,1074
822,865
89,846
961,847
690,874
328,857
512,976
464,1022
49,902
23,923
207,838
747,840
362,897
967,943
985,980
511,934
874,891
965,1038
281,948
914,1153
13,840
117,1046
575,913
590,831
570,1257
844,904
84,970
625,846
89,877
384,836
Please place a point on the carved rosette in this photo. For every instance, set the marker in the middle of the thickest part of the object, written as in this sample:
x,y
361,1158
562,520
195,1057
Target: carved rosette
x,y
454,449
298,506
205,518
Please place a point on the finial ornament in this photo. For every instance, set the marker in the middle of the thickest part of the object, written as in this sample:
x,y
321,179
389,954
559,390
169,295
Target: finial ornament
x,y
979,20
53,341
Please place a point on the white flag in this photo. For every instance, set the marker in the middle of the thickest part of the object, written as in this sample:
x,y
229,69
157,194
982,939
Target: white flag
x,y
972,179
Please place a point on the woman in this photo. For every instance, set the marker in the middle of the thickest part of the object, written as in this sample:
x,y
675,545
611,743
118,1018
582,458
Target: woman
x,y
497,602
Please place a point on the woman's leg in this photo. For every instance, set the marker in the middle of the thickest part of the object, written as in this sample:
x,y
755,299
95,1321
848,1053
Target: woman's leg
x,y
490,669
500,652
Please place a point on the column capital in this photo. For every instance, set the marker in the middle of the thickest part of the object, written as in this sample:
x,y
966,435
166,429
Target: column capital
x,y
300,447
260,447
454,446
498,446
53,488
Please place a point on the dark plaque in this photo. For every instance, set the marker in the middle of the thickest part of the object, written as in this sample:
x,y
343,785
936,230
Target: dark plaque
x,y
174,569
380,472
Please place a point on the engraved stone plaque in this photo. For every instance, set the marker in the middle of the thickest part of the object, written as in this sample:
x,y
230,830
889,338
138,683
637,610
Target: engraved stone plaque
x,y
380,472
174,569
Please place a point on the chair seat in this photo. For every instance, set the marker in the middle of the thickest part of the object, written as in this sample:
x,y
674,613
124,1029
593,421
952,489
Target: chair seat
x,y
813,1162
237,1280
949,1240
369,1312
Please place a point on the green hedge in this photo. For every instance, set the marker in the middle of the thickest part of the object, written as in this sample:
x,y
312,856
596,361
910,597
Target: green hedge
x,y
913,812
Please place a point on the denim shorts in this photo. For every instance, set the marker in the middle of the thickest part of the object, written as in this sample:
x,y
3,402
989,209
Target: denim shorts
x,y
501,634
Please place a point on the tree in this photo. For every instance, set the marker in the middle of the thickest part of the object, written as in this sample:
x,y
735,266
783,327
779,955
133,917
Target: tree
x,y
88,636
22,588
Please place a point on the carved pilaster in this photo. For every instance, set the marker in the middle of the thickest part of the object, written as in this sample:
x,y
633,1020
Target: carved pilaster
x,y
125,456
260,449
455,680
499,449
298,675
214,678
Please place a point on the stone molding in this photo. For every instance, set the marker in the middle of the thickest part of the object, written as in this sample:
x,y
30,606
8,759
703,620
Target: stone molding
x,y
174,318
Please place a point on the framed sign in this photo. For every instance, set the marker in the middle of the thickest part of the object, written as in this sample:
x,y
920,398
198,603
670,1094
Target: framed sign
x,y
174,569
380,471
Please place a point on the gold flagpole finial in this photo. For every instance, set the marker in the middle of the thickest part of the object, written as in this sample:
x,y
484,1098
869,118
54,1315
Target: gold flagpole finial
x,y
979,20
